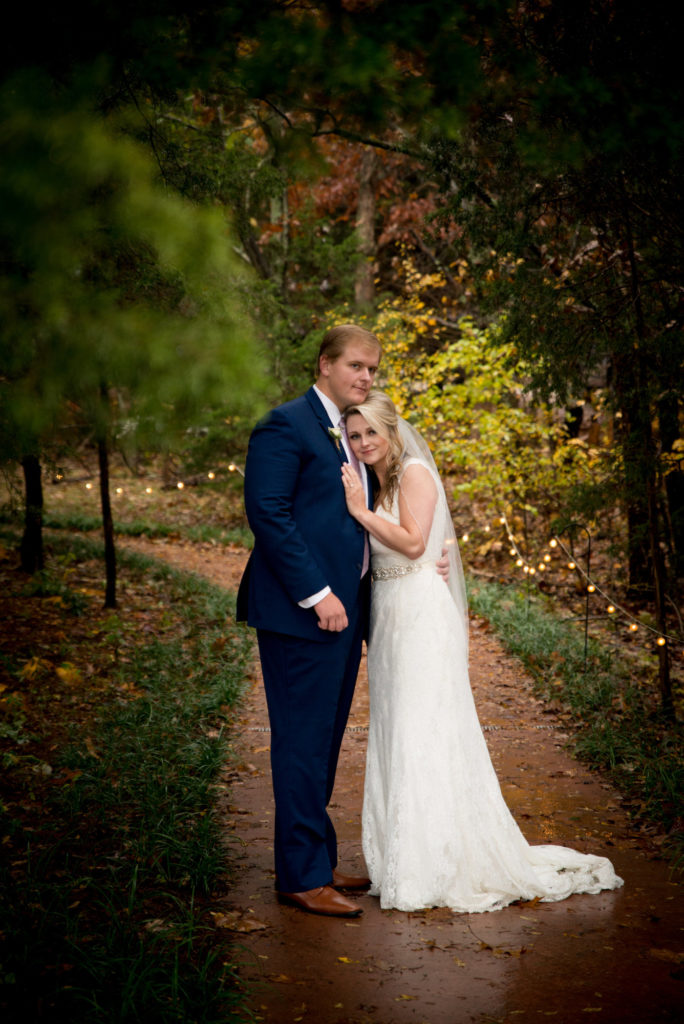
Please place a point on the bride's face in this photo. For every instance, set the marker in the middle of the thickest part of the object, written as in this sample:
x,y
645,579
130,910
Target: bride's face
x,y
368,446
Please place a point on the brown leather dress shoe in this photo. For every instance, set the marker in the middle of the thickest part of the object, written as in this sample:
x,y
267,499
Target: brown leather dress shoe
x,y
324,900
340,881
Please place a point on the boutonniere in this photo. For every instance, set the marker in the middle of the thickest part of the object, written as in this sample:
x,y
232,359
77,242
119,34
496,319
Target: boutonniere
x,y
336,435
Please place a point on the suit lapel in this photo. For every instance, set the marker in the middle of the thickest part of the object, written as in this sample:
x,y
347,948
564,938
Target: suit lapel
x,y
325,423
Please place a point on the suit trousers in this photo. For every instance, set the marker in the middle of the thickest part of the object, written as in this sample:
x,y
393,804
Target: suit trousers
x,y
309,689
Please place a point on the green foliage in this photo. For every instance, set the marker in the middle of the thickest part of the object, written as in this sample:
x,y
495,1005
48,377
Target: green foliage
x,y
616,726
467,390
108,281
114,887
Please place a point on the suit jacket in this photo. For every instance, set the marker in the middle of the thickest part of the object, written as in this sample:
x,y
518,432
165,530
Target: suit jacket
x,y
304,537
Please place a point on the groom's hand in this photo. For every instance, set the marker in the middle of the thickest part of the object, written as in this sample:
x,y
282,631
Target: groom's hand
x,y
331,614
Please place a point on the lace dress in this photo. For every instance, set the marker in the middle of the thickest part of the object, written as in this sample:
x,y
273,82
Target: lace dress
x,y
436,829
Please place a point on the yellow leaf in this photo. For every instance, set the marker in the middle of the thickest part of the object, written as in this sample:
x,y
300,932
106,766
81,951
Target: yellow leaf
x,y
69,674
345,960
399,998
32,667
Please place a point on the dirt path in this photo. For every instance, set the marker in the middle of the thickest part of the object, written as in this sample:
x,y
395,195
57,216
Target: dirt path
x,y
616,957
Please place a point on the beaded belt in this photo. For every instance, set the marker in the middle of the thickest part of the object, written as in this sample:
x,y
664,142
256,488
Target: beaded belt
x,y
393,572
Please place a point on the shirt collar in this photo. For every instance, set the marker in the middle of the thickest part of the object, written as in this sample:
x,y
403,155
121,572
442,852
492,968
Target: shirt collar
x,y
333,412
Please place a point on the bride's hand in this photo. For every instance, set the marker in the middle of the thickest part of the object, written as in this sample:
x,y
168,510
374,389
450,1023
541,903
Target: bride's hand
x,y
443,564
353,490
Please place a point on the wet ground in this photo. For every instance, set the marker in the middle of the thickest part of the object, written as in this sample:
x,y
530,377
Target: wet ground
x,y
617,957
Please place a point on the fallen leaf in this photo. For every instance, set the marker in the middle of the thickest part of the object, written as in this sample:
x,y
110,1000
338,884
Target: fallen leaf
x,y
69,674
670,955
90,747
237,921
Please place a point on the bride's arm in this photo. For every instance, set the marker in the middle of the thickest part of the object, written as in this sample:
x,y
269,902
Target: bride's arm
x,y
417,502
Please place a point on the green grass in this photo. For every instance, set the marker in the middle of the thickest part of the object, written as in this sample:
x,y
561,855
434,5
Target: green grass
x,y
103,910
206,532
618,725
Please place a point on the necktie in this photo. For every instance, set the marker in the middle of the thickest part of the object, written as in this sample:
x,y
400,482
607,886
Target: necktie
x,y
355,463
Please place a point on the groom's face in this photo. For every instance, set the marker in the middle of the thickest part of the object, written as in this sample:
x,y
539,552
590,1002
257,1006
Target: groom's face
x,y
348,379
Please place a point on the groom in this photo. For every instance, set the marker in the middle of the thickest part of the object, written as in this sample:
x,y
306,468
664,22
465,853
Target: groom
x,y
306,589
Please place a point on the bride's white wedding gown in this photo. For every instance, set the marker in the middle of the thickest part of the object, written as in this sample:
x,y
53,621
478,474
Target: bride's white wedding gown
x,y
436,829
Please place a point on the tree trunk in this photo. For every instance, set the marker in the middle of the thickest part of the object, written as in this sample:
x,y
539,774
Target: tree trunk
x,y
642,428
364,285
668,416
632,435
31,549
107,520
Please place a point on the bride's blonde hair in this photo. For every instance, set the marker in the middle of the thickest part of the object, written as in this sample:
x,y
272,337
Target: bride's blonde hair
x,y
379,413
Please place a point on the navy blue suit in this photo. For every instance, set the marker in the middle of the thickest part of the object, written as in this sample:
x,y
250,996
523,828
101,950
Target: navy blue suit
x,y
305,540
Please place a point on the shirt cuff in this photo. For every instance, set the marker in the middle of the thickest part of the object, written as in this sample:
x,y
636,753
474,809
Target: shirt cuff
x,y
309,602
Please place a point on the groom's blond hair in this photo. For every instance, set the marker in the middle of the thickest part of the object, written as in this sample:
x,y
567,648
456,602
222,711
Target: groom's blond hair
x,y
337,338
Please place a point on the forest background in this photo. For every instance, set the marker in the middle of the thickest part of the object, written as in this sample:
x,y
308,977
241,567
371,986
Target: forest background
x,y
191,196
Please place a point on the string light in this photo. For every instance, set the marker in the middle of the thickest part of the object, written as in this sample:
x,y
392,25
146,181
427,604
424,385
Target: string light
x,y
180,485
464,538
89,487
148,490
591,586
119,490
211,475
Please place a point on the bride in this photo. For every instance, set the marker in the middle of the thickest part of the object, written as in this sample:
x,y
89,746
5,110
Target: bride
x,y
436,829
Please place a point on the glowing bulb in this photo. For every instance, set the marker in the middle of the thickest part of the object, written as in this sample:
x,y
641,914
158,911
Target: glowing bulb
x,y
464,538
89,487
610,609
502,520
532,570
512,551
211,475
119,490
526,568
553,543
661,641
591,588
542,567
232,467
547,558
487,528
180,485
519,562
633,627
571,565
148,490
